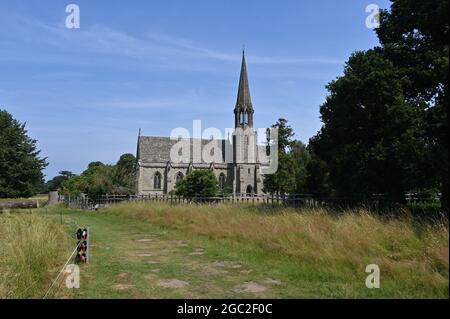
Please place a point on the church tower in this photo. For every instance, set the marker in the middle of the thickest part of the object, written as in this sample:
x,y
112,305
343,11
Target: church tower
x,y
246,169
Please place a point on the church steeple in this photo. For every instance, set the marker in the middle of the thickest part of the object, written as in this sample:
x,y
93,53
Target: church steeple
x,y
243,112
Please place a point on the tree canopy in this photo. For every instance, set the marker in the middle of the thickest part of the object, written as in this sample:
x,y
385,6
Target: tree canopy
x,y
56,182
385,120
125,168
99,178
293,158
372,138
20,162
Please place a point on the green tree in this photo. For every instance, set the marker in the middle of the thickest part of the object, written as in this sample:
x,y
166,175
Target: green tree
x,y
283,180
198,183
317,180
386,119
72,186
414,36
97,179
372,138
302,158
20,162
125,170
101,179
56,182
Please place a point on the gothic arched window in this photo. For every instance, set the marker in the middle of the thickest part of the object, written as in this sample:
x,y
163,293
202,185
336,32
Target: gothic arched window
x,y
157,181
222,179
180,177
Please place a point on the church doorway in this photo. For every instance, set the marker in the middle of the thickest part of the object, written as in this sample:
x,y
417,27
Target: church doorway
x,y
249,190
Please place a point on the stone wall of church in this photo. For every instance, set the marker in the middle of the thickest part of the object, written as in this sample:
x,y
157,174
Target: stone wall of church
x,y
249,179
169,174
172,175
146,179
227,172
245,148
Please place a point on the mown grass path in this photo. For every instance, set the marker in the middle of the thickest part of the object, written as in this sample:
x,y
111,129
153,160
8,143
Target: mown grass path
x,y
134,259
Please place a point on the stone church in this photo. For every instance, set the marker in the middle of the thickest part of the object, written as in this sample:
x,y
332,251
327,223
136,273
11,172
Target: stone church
x,y
235,161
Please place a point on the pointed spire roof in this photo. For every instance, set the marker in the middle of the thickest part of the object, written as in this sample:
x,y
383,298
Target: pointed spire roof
x,y
244,100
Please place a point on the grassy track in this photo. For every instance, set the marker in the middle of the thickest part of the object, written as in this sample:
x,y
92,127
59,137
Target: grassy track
x,y
131,258
142,251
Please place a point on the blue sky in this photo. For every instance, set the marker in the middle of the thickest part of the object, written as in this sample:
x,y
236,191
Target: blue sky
x,y
158,65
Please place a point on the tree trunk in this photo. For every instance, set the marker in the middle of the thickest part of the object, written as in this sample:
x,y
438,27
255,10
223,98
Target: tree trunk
x,y
22,204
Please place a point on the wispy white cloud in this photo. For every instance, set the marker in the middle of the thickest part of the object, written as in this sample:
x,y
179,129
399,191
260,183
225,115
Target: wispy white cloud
x,y
202,52
152,49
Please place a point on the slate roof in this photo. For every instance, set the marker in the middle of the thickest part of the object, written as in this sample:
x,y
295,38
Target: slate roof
x,y
155,149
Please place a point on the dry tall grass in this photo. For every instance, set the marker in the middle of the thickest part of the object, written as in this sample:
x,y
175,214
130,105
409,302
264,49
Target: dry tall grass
x,y
33,248
414,255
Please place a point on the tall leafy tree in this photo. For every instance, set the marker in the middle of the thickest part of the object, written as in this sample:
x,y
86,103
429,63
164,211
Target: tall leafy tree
x,y
317,180
414,36
20,162
283,181
97,179
386,119
56,182
125,172
100,178
372,138
302,158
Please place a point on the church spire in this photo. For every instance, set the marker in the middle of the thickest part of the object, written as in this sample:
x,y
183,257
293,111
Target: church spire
x,y
243,98
244,108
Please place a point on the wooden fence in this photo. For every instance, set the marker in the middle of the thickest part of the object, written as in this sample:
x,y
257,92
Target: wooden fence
x,y
291,200
84,202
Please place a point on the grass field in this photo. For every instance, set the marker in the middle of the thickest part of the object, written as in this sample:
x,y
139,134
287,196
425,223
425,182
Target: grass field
x,y
32,248
160,251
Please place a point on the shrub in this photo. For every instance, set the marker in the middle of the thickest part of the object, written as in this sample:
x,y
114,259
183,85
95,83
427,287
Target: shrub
x,y
198,183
